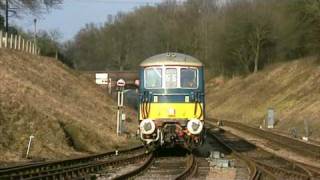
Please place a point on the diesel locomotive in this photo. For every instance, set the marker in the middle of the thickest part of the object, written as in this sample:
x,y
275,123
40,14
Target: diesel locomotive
x,y
171,101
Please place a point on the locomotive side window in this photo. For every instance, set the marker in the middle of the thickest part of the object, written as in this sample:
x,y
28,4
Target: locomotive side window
x,y
171,78
153,78
188,78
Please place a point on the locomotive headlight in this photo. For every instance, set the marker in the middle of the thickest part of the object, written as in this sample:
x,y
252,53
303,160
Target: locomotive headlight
x,y
195,126
147,126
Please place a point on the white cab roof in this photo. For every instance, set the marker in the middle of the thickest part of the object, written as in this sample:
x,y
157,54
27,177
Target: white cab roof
x,y
171,59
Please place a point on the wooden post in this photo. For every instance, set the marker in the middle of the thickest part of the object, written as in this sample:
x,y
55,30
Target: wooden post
x,y
1,39
15,41
31,45
27,46
110,86
33,48
6,40
19,42
11,41
23,45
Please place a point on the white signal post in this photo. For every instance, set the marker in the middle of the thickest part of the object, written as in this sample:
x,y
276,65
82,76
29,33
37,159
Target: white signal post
x,y
120,85
29,145
110,86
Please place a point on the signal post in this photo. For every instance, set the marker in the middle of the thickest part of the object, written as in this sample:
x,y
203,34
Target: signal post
x,y
120,114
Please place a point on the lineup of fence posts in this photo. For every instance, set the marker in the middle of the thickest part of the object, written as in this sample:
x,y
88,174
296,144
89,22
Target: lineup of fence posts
x,y
16,42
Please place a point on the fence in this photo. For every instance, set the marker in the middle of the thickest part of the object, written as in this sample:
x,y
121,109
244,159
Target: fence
x,y
16,42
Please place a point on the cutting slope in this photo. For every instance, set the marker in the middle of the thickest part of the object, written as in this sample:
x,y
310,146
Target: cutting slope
x,y
65,111
292,89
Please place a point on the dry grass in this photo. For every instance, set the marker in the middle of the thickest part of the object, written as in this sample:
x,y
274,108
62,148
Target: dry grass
x,y
292,89
64,110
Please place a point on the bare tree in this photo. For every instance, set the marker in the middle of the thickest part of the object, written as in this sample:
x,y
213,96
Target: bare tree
x,y
229,36
34,6
258,39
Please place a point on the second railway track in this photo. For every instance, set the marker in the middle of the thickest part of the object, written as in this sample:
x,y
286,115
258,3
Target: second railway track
x,y
263,165
81,167
130,163
303,148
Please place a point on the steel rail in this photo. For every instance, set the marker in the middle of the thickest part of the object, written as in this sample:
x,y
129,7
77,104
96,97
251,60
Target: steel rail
x,y
279,139
313,172
138,170
271,171
254,172
190,170
22,170
280,171
306,149
81,171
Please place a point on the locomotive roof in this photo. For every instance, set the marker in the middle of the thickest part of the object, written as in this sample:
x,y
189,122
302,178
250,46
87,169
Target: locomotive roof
x,y
171,59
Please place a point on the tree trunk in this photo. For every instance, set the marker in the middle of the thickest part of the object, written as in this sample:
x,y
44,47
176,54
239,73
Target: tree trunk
x,y
247,69
256,58
120,63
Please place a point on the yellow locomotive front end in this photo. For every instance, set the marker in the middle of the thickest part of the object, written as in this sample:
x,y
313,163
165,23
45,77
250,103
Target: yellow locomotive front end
x,y
171,100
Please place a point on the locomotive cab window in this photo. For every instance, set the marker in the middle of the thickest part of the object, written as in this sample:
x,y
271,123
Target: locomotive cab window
x,y
171,79
153,78
188,78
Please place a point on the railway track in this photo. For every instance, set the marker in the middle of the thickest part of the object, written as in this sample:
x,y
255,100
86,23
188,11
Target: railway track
x,y
73,168
253,172
179,164
262,164
175,166
300,147
135,163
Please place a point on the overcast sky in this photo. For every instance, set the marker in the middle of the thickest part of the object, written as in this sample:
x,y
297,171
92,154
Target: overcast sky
x,y
74,14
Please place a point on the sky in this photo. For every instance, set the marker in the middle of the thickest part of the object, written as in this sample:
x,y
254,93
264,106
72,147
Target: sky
x,y
72,15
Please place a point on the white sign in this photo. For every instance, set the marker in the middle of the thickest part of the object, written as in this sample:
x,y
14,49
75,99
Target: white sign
x,y
102,78
121,83
101,75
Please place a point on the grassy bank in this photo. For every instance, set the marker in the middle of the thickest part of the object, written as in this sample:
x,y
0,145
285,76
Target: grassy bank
x,y
292,89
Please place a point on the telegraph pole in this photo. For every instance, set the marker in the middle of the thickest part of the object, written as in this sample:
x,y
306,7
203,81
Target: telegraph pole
x,y
7,15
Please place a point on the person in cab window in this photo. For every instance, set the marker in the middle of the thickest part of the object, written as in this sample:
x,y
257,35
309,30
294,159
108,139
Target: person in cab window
x,y
192,83
188,78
